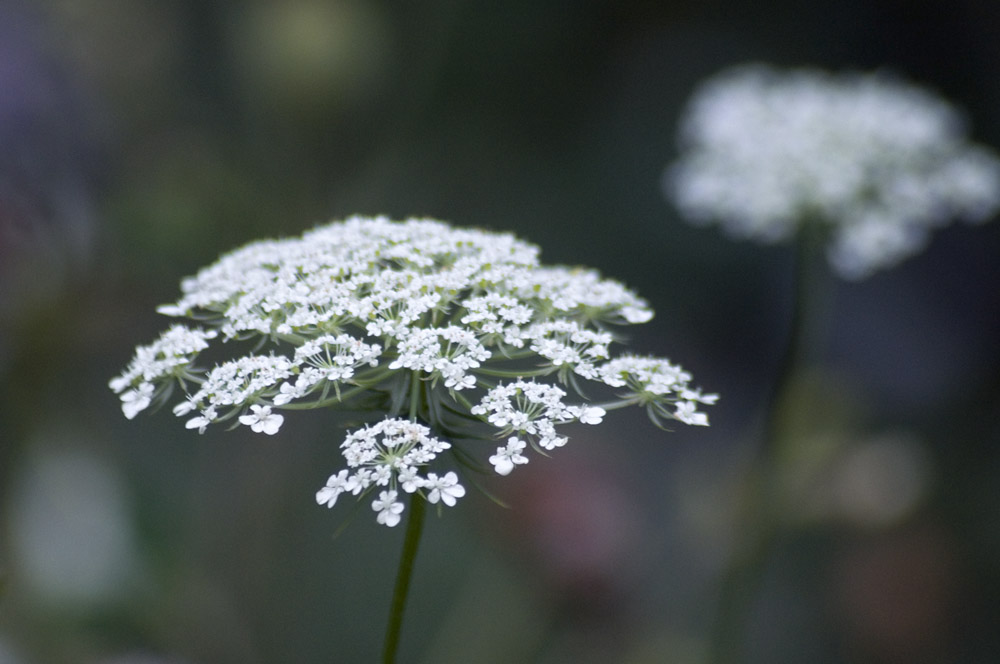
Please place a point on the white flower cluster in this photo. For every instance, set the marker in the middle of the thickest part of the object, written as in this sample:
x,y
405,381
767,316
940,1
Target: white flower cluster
x,y
169,356
532,409
390,454
409,322
649,378
877,161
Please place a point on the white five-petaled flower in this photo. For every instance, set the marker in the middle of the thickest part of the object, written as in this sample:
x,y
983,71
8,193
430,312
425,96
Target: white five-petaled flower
x,y
261,419
878,162
592,415
446,489
388,508
509,456
202,421
687,413
137,400
335,485
417,328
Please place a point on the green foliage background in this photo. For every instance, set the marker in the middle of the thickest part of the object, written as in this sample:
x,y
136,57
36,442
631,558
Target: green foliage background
x,y
141,138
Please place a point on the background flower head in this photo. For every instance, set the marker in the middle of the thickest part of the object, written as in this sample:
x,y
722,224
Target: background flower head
x,y
877,161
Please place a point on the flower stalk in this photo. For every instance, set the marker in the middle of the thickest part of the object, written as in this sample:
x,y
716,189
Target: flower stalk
x,y
759,518
411,541
408,556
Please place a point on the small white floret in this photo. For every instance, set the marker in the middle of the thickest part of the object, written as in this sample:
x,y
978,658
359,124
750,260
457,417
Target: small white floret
x,y
688,414
135,401
592,415
262,420
388,508
446,489
507,457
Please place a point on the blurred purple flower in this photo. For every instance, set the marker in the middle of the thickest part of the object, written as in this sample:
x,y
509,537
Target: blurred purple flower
x,y
49,160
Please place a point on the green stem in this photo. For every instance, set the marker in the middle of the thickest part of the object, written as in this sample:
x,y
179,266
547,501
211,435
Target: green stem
x,y
620,403
415,385
331,401
759,527
411,541
414,527
514,373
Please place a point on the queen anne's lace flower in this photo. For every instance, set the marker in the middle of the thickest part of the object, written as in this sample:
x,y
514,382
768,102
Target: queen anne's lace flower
x,y
404,325
878,162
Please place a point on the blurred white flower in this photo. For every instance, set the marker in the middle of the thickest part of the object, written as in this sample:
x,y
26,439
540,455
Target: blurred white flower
x,y
877,161
71,534
881,480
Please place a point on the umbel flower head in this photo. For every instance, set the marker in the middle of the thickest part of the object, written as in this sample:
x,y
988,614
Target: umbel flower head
x,y
436,338
877,162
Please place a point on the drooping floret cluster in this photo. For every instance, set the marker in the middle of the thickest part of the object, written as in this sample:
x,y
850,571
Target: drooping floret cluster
x,y
433,334
879,163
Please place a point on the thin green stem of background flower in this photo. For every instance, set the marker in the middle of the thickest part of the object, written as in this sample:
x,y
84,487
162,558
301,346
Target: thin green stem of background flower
x,y
758,526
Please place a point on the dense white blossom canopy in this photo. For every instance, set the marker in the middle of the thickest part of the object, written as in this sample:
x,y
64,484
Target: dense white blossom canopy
x,y
412,323
878,162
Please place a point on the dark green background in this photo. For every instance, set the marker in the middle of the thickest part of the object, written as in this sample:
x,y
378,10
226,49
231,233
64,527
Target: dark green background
x,y
141,138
